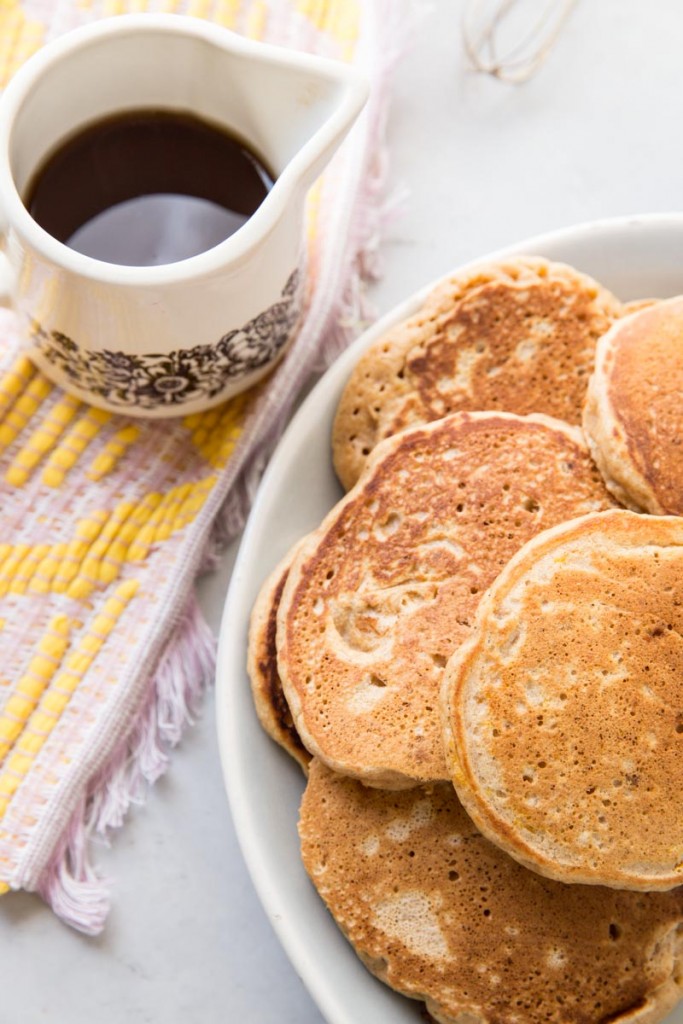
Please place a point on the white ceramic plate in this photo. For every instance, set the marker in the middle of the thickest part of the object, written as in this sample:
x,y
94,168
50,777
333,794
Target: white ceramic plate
x,y
635,258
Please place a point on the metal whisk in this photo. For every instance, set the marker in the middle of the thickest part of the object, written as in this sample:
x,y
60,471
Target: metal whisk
x,y
485,22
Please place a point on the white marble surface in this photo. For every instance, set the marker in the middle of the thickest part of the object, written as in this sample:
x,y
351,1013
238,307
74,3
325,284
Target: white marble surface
x,y
596,133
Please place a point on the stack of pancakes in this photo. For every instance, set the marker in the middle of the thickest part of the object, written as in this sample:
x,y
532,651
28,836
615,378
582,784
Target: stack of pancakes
x,y
477,657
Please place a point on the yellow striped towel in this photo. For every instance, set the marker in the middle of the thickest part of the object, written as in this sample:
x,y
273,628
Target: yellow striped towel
x,y
106,521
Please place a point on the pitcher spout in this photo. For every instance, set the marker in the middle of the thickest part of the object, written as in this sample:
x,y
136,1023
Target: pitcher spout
x,y
300,108
324,108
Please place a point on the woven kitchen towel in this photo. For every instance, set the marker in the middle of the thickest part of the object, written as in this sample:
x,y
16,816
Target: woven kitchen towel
x,y
106,520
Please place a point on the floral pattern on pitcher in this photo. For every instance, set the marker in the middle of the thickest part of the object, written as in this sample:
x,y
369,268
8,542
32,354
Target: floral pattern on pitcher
x,y
153,380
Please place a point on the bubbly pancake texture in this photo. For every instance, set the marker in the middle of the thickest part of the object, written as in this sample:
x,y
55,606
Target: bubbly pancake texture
x,y
517,336
383,592
266,686
564,711
634,410
439,913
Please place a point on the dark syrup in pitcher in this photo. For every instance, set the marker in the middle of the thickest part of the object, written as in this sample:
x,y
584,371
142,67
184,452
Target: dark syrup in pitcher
x,y
147,187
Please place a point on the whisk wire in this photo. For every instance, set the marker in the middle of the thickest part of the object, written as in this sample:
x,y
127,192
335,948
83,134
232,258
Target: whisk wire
x,y
523,58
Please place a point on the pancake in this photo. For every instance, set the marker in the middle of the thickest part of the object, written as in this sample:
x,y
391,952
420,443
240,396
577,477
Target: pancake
x,y
517,336
383,592
564,711
270,702
634,409
439,913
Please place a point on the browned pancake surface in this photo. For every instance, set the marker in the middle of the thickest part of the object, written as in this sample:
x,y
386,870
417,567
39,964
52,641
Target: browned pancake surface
x,y
564,712
518,337
637,399
270,702
441,914
385,590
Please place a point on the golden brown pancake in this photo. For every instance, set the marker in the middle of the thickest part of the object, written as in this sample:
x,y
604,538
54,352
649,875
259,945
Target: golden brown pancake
x,y
563,713
439,913
517,336
634,409
269,700
383,592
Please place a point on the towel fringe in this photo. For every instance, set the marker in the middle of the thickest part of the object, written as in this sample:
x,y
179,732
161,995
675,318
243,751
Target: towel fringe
x,y
71,886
